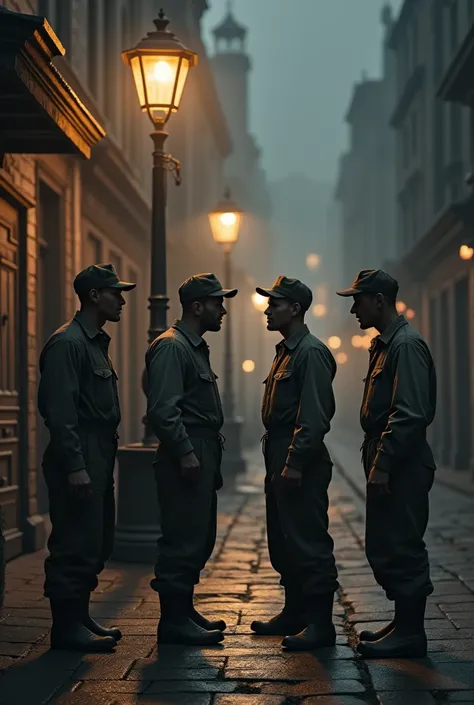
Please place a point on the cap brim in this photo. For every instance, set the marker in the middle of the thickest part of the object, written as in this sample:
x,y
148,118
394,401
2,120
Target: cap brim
x,y
123,286
348,292
269,293
226,293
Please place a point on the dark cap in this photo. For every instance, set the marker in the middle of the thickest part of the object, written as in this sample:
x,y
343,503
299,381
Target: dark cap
x,y
99,276
200,286
292,289
372,281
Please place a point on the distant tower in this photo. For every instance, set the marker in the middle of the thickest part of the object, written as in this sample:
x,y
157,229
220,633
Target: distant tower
x,y
231,66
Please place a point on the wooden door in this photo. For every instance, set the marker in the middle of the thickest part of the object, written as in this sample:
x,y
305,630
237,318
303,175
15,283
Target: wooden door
x,y
9,376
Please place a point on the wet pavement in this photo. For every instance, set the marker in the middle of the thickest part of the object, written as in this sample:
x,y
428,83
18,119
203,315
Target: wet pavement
x,y
239,586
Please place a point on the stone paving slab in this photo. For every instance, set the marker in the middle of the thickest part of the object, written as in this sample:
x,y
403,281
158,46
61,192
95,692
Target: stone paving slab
x,y
240,585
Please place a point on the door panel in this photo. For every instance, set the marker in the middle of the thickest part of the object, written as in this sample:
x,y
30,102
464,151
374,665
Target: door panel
x,y
9,394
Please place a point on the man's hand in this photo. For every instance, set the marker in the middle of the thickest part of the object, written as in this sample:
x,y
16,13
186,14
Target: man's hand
x,y
378,482
190,466
80,484
292,478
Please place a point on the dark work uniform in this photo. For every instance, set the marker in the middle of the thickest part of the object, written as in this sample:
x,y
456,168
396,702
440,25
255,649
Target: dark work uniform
x,y
78,400
298,406
398,405
184,410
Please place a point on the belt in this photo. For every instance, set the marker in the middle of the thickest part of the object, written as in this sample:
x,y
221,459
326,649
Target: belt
x,y
274,431
207,434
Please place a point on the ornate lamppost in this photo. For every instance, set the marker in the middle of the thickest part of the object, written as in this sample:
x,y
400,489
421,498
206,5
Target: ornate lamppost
x,y
160,65
225,221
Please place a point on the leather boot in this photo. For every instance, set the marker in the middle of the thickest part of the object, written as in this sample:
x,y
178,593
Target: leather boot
x,y
320,632
367,635
69,633
176,627
407,639
290,620
202,621
96,628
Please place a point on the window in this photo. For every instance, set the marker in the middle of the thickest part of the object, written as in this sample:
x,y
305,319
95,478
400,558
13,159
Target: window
x,y
455,132
93,253
93,23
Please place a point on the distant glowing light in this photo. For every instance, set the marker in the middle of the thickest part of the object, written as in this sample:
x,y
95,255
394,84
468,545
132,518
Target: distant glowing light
x,y
401,306
334,342
410,314
357,341
341,358
248,365
366,341
260,302
313,261
319,310
466,252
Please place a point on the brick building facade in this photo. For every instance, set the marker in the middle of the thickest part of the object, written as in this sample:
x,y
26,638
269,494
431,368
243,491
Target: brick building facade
x,y
70,213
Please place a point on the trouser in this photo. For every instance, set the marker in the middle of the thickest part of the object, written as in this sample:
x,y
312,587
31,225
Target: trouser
x,y
82,533
300,546
395,527
188,515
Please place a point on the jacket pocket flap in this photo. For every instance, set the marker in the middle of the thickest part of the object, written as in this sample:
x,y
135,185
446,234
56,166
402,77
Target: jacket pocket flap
x,y
207,377
284,374
104,373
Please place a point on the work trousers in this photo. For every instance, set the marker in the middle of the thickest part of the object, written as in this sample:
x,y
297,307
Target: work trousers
x,y
300,546
395,528
188,515
82,533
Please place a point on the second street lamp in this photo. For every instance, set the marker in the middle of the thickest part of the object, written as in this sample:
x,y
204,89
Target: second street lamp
x,y
225,221
160,64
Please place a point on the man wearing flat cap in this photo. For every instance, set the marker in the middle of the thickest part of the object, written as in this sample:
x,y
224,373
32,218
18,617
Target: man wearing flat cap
x,y
398,405
78,401
185,413
298,405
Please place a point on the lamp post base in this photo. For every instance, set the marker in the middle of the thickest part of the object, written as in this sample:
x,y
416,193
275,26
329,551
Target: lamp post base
x,y
232,460
138,522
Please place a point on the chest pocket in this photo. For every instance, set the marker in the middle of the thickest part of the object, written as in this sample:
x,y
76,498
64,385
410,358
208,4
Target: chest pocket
x,y
208,392
104,388
379,390
284,393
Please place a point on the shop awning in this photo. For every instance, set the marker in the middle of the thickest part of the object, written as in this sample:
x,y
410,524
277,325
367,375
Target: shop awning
x,y
39,111
457,85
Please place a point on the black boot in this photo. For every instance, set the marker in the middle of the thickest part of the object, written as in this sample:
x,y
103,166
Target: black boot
x,y
96,628
176,627
320,632
408,638
69,633
367,635
201,621
290,620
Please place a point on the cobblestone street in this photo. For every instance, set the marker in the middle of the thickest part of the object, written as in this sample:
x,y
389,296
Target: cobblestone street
x,y
240,585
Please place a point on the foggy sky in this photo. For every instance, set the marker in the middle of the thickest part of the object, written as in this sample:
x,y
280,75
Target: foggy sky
x,y
306,56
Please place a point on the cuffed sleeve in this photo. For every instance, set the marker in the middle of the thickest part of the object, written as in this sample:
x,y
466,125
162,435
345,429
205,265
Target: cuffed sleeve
x,y
412,406
166,368
58,397
316,407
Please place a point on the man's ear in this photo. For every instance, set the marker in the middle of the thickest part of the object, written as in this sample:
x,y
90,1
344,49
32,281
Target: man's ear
x,y
380,298
94,295
197,308
296,309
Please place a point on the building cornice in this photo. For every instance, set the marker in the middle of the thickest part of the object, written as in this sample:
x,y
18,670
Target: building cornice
x,y
457,84
401,23
361,95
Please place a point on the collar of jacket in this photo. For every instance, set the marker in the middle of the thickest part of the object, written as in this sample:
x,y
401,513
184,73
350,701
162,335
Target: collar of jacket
x,y
193,337
294,340
90,330
388,334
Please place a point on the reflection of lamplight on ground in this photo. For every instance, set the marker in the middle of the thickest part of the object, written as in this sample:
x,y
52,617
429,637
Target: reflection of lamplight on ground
x,y
466,252
334,342
341,358
319,310
260,302
410,314
357,341
401,306
248,365
312,261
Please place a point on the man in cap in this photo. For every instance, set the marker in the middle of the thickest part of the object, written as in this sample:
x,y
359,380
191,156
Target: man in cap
x,y
397,407
298,405
78,401
185,413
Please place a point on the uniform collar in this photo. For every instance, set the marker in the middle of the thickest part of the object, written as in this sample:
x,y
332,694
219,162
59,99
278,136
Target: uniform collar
x,y
389,332
193,337
90,330
294,340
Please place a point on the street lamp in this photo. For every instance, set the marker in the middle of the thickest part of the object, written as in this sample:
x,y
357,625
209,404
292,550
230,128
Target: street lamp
x,y
312,261
225,221
160,65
